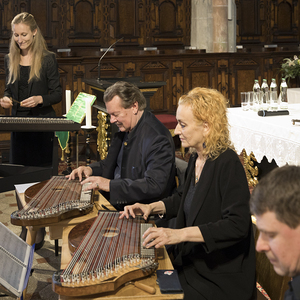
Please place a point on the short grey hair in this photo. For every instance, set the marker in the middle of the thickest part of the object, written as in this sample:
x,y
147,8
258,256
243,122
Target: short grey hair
x,y
128,92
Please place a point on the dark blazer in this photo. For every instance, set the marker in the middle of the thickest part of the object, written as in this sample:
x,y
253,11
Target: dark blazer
x,y
293,293
224,266
48,87
148,164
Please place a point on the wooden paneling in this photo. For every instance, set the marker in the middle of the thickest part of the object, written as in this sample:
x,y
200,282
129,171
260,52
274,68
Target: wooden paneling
x,y
87,26
230,73
264,22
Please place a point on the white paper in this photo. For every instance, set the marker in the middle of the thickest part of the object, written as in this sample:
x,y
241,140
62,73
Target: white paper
x,y
21,188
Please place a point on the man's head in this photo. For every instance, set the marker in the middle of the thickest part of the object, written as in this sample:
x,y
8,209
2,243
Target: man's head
x,y
125,104
275,202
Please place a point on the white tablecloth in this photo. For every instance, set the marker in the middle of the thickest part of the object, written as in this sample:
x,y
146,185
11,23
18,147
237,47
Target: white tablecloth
x,y
293,95
274,136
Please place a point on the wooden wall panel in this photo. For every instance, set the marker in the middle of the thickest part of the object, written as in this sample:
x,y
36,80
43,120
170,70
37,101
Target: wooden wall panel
x,y
264,22
200,79
88,27
230,73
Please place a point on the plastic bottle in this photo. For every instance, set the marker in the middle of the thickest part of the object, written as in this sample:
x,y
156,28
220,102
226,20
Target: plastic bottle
x,y
283,94
265,95
256,96
273,95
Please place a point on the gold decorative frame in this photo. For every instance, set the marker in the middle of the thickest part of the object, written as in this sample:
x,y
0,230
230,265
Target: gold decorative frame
x,y
250,169
103,139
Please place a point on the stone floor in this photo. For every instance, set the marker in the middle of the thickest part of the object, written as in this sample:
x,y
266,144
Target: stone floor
x,y
45,262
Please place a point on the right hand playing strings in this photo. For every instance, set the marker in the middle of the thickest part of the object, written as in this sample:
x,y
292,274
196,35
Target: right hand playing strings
x,y
80,173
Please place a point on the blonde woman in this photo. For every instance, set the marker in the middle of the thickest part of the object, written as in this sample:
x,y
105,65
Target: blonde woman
x,y
32,87
213,241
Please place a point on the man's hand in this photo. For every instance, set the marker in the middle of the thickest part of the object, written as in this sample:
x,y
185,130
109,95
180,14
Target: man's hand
x,y
136,209
97,183
80,172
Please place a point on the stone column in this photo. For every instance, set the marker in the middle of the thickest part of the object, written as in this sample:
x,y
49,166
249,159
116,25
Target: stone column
x,y
213,25
231,26
202,24
220,25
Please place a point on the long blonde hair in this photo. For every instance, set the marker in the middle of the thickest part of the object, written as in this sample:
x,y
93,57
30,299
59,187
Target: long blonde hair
x,y
210,106
38,49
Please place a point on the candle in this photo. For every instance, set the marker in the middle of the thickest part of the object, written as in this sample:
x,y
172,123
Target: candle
x,y
68,100
88,116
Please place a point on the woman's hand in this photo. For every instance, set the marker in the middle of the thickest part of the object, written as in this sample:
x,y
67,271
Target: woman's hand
x,y
158,237
136,209
32,101
5,102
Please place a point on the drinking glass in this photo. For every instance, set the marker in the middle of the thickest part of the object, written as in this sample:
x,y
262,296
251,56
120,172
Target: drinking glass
x,y
244,100
250,100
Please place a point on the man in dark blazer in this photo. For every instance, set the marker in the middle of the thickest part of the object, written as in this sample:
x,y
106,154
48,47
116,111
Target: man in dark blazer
x,y
275,202
140,165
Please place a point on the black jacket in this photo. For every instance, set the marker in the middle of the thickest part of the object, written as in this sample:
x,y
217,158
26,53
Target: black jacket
x,y
48,87
224,266
148,164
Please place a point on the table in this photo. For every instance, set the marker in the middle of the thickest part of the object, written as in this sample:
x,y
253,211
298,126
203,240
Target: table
x,y
274,136
293,95
62,229
129,291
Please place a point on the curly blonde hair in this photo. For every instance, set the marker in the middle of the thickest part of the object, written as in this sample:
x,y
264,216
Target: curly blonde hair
x,y
38,49
210,106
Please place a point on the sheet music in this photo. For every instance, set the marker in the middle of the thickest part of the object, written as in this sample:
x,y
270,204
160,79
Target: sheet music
x,y
21,188
15,261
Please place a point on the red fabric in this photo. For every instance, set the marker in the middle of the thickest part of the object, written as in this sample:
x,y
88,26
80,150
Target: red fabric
x,y
168,120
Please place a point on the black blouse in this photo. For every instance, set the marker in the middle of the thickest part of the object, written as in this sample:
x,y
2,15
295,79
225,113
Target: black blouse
x,y
23,89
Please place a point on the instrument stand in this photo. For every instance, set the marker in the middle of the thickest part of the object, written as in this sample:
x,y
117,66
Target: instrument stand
x,y
68,153
88,131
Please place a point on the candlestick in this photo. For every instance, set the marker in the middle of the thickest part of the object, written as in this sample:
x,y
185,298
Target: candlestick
x,y
68,100
88,131
88,115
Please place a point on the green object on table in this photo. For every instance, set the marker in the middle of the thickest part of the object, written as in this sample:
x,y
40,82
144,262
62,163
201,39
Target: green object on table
x,y
77,111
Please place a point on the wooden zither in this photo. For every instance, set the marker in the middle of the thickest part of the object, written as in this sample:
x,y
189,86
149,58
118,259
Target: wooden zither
x,y
53,200
110,254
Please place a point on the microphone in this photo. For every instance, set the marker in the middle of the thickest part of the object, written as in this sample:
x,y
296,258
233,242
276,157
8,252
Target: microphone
x,y
104,55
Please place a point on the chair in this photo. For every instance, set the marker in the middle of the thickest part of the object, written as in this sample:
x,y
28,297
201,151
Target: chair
x,y
181,166
170,122
269,284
